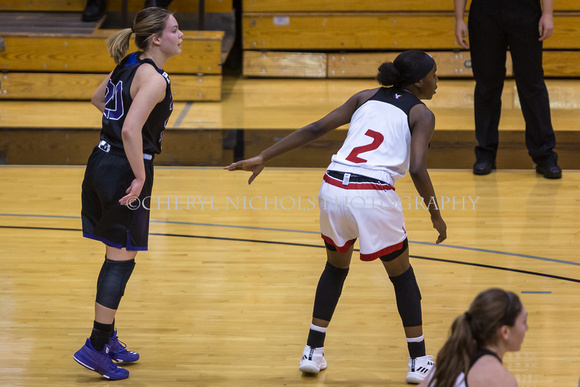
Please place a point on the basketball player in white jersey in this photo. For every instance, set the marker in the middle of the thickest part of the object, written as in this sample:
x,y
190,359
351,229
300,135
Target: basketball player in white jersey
x,y
389,133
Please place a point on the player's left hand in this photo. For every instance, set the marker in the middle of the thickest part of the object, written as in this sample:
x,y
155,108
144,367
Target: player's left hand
x,y
441,227
254,165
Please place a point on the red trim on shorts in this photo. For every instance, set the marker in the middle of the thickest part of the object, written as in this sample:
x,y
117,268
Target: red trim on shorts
x,y
376,186
380,253
342,249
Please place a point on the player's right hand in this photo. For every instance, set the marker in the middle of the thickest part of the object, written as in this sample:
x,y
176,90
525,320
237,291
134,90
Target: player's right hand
x,y
132,192
254,165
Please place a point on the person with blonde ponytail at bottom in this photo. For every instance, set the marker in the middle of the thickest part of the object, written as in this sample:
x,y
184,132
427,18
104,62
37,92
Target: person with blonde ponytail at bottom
x,y
135,101
495,323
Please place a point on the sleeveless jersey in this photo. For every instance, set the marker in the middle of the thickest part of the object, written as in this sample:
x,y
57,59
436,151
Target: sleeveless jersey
x,y
461,380
118,101
378,142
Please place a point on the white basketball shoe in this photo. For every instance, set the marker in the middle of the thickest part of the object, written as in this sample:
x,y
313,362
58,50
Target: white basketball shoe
x,y
419,368
312,360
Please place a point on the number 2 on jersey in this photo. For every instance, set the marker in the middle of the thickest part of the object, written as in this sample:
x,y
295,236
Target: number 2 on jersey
x,y
377,140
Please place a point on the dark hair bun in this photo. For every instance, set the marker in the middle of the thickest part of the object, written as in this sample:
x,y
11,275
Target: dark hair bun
x,y
388,74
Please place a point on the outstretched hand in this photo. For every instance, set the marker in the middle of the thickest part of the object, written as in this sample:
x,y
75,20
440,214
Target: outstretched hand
x,y
254,165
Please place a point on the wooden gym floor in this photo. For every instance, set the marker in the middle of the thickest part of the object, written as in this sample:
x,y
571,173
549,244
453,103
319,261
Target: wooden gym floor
x,y
224,296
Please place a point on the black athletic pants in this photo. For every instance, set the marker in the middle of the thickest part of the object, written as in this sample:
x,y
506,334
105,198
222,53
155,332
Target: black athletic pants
x,y
495,25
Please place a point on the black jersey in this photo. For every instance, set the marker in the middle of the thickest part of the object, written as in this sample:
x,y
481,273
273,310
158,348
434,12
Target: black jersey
x,y
118,101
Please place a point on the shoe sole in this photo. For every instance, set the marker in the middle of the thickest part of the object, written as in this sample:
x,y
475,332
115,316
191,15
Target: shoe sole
x,y
310,367
83,364
92,369
558,176
124,361
540,172
414,379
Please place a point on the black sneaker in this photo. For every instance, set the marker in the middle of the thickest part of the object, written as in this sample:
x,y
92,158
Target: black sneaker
x,y
483,167
94,10
550,171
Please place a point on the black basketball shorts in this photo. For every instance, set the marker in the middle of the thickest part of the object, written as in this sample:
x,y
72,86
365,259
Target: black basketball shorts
x,y
107,177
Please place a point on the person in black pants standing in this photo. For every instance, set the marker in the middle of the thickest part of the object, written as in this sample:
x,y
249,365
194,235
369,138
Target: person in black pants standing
x,y
521,25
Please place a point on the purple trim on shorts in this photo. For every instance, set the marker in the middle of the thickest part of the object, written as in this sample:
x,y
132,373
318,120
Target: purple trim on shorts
x,y
115,245
133,248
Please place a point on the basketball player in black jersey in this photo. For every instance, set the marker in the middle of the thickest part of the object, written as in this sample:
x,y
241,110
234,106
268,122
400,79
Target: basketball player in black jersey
x,y
136,103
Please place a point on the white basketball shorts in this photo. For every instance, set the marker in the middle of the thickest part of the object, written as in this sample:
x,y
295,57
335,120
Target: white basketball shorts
x,y
362,208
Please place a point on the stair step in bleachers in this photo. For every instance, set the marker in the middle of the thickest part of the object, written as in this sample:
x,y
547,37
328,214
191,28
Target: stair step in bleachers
x,y
49,53
346,64
283,38
369,5
178,6
450,64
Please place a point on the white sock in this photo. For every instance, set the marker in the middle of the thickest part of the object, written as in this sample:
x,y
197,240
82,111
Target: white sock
x,y
413,339
317,328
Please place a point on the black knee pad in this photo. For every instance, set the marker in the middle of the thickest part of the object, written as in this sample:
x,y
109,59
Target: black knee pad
x,y
395,254
328,291
329,246
408,298
112,282
332,247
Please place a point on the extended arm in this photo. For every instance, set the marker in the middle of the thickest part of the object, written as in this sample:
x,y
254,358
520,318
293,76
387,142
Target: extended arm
x,y
338,117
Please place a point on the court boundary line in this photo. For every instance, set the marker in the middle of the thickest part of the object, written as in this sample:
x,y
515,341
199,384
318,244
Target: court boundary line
x,y
475,249
314,246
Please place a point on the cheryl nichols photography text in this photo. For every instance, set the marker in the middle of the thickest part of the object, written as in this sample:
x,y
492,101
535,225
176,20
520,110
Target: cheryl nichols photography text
x,y
296,203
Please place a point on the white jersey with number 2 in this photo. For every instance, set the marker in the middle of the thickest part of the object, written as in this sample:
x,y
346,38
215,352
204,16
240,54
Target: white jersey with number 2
x,y
379,138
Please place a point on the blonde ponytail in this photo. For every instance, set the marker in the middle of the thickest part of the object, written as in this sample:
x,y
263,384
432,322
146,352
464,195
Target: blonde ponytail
x,y
148,21
118,44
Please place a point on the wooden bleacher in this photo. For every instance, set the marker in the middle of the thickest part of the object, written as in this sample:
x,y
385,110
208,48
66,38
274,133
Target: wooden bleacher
x,y
49,73
348,38
52,62
351,38
51,54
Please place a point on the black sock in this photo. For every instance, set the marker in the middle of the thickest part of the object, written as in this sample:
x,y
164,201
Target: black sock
x,y
100,335
316,339
416,349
